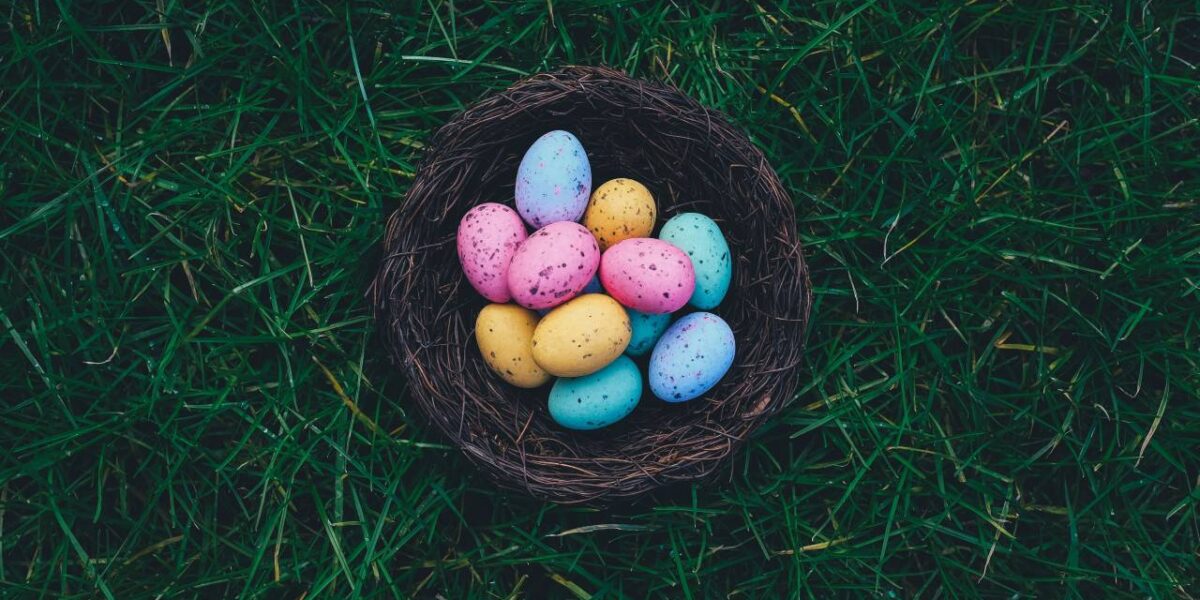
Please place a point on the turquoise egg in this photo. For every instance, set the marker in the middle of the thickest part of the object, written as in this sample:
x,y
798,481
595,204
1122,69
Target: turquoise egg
x,y
691,357
593,286
701,238
647,328
597,400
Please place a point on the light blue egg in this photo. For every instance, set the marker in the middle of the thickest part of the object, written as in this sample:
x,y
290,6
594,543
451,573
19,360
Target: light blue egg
x,y
701,238
647,328
554,180
691,357
597,400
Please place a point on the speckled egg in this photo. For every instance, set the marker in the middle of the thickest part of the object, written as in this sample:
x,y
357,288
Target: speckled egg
x,y
488,236
554,180
648,275
553,265
620,209
593,287
691,357
647,328
701,238
597,400
504,333
581,336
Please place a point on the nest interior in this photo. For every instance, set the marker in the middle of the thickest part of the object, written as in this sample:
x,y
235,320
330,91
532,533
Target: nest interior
x,y
692,159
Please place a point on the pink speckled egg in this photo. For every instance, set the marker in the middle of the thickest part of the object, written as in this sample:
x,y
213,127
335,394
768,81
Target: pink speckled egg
x,y
648,275
488,237
553,265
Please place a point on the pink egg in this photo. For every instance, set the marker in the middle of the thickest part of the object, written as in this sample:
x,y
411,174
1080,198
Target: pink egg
x,y
553,265
488,237
648,275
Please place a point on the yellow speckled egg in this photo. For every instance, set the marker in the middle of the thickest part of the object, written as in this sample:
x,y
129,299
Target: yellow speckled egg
x,y
620,209
582,336
504,333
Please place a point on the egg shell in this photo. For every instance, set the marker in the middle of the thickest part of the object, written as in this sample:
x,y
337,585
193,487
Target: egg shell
x,y
691,357
648,275
553,265
593,287
488,237
701,238
647,328
597,400
504,333
620,209
554,180
581,336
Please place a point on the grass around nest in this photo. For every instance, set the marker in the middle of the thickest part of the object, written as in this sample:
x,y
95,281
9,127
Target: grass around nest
x,y
1000,204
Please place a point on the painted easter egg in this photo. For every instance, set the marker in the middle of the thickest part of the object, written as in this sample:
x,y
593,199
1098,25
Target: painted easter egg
x,y
593,287
504,333
554,180
620,209
597,400
701,238
553,265
581,336
648,275
647,328
691,357
488,236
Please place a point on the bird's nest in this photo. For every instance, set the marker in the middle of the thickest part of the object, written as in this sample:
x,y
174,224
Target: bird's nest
x,y
693,160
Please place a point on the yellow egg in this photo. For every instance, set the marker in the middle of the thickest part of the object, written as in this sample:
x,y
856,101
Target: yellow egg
x,y
504,333
581,336
620,209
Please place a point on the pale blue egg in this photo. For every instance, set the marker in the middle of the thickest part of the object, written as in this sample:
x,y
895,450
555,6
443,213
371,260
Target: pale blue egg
x,y
701,238
554,180
597,400
647,328
691,357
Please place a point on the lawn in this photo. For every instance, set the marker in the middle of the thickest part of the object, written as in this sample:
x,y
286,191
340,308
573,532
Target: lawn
x,y
999,201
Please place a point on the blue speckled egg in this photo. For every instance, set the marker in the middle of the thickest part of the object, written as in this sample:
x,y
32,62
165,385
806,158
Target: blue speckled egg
x,y
701,239
691,357
554,180
597,400
647,328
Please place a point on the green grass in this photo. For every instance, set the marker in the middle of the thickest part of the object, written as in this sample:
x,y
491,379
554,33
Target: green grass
x,y
999,202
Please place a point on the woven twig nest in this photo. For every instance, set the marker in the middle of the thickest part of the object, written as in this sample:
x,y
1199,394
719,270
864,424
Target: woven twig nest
x,y
692,159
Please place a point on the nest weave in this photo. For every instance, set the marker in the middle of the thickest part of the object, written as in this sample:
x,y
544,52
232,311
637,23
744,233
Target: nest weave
x,y
692,159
